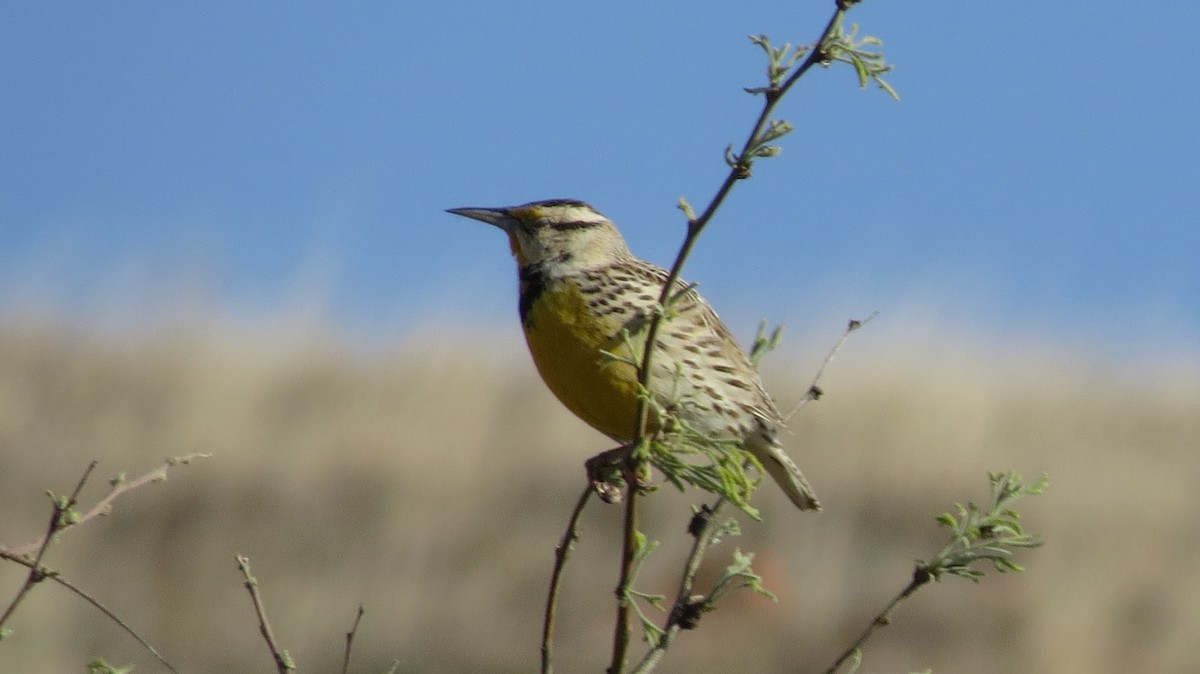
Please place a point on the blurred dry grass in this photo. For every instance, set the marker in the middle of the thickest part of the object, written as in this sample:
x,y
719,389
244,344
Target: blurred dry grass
x,y
431,484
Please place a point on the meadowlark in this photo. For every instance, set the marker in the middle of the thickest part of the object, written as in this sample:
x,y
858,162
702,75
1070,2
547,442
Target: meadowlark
x,y
583,293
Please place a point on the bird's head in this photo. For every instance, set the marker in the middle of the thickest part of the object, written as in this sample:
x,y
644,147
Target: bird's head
x,y
556,235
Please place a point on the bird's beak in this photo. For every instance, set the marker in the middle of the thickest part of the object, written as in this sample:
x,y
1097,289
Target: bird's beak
x,y
493,216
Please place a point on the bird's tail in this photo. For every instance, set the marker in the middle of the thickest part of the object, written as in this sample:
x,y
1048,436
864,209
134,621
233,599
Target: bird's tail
x,y
784,471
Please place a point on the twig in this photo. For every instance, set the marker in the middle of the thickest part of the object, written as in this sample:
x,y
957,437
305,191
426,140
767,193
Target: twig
x,y
283,661
882,619
560,561
350,639
978,535
684,610
686,607
64,517
104,506
58,522
58,578
628,546
814,391
739,170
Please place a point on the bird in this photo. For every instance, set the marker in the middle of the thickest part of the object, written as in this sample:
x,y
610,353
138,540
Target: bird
x,y
583,293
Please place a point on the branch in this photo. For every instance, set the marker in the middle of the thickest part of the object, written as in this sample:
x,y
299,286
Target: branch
x,y
977,535
814,391
60,518
560,561
739,170
685,610
283,660
63,517
350,639
119,486
882,619
624,584
58,578
756,145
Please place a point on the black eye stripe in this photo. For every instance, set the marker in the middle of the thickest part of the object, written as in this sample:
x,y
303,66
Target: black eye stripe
x,y
576,224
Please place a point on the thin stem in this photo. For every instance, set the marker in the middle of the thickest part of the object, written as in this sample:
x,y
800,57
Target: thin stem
x,y
37,573
59,522
283,661
683,606
560,561
57,578
350,639
814,391
700,545
882,619
703,536
695,226
104,505
628,548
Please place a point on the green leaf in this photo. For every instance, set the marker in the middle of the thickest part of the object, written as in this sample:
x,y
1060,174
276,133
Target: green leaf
x,y
992,533
684,206
99,666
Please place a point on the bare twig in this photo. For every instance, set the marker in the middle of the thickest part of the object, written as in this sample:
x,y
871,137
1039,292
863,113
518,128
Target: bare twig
x,y
64,517
814,391
283,661
58,578
350,639
104,506
883,618
560,561
58,521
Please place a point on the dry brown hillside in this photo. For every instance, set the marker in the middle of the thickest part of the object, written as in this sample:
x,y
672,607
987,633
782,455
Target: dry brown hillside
x,y
432,482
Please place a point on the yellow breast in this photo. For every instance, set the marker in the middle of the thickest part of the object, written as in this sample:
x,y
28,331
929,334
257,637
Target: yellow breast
x,y
566,341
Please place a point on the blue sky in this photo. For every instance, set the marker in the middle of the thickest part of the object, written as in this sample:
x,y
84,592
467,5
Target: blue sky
x,y
1039,177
